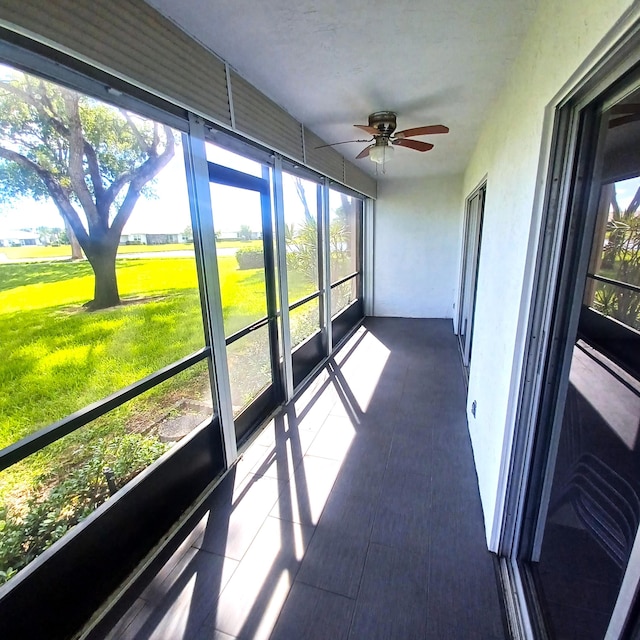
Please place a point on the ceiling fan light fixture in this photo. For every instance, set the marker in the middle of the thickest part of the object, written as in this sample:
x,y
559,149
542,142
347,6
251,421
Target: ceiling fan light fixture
x,y
381,153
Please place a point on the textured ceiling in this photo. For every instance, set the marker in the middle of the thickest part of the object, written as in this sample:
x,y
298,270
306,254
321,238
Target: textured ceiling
x,y
332,62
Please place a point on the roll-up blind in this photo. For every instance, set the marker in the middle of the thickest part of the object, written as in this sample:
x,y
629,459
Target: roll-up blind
x,y
264,120
326,160
131,40
357,179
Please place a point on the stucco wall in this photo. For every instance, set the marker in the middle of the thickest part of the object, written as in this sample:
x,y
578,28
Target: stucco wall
x,y
417,247
511,152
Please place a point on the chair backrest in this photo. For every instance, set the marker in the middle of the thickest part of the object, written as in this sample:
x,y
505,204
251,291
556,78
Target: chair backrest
x,y
606,504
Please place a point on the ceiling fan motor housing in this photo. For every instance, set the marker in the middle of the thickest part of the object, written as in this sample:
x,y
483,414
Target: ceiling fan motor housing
x,y
384,122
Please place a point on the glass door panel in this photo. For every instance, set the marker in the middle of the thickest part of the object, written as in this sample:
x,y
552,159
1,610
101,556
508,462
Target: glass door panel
x,y
249,360
302,223
595,505
345,245
241,204
593,512
301,236
472,237
344,221
240,249
342,295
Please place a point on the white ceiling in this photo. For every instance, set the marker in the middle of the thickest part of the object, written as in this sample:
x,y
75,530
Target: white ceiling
x,y
330,63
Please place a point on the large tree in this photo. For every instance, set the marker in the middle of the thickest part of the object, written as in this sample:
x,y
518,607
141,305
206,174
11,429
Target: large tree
x,y
91,159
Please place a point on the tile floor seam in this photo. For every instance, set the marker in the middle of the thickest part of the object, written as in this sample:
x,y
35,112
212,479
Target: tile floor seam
x,y
239,560
216,628
315,586
294,577
378,430
357,598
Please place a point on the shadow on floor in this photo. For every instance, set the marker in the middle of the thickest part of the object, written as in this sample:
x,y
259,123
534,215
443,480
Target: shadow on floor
x,y
354,514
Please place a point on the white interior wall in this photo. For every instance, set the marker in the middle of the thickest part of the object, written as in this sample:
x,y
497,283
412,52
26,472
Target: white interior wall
x,y
416,247
512,151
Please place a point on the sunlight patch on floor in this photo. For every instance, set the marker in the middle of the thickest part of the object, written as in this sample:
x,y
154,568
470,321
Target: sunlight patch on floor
x,y
363,370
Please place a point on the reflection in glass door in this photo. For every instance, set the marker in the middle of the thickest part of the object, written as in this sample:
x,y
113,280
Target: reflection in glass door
x,y
241,203
590,520
469,277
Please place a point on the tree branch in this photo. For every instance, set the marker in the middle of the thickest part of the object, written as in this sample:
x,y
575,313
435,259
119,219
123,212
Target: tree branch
x,y
94,170
303,199
615,205
25,96
46,110
144,145
56,190
123,179
76,162
140,176
633,205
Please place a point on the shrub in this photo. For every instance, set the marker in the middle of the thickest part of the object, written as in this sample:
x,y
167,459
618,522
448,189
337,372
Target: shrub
x,y
58,503
250,258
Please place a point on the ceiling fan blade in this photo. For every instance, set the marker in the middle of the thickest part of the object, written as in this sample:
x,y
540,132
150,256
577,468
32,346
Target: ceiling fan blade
x,y
413,144
333,144
365,127
422,131
620,109
365,152
616,122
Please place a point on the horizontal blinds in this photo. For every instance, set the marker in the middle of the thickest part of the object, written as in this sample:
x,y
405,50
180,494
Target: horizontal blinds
x,y
326,160
264,120
357,179
131,40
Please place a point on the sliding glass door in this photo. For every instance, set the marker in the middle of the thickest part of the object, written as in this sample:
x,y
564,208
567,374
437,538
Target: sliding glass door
x,y
469,277
242,216
585,502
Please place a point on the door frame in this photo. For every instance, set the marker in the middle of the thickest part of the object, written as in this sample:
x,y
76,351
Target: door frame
x,y
470,263
549,316
272,395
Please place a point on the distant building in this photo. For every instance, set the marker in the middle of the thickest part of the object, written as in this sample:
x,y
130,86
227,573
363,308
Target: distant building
x,y
18,238
152,238
238,235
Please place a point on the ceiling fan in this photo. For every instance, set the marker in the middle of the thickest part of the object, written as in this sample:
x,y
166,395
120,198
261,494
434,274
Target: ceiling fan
x,y
382,126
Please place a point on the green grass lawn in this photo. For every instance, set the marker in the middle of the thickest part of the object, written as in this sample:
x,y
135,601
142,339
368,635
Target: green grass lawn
x,y
57,358
64,251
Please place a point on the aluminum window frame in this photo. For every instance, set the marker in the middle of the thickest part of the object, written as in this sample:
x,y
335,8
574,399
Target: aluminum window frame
x,y
51,70
34,57
516,520
606,69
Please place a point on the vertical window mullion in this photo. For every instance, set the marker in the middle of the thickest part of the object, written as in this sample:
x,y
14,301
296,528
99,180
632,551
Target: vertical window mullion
x,y
326,268
367,256
270,282
281,251
204,235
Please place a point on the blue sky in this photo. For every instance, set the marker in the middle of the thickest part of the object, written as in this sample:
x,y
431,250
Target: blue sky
x,y
625,190
168,211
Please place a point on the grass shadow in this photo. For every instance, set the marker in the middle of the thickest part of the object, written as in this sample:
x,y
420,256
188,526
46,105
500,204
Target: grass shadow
x,y
22,274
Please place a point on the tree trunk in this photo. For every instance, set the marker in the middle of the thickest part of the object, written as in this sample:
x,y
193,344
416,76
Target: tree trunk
x,y
102,258
76,250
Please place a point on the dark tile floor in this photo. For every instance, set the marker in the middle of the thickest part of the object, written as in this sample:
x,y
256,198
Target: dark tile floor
x,y
355,514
